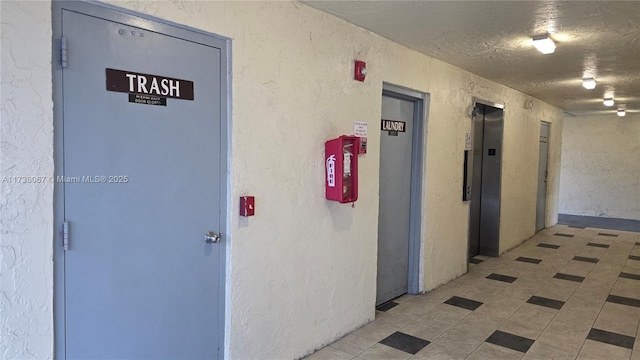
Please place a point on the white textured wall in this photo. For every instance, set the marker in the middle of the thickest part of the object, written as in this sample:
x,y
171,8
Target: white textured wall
x,y
26,211
301,273
601,166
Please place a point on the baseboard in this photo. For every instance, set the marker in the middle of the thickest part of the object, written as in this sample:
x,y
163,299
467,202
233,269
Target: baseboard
x,y
599,222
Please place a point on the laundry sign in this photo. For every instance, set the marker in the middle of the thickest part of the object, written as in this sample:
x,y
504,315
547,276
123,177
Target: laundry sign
x,y
393,127
148,89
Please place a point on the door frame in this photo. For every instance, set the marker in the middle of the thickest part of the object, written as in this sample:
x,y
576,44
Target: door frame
x,y
501,106
418,180
150,23
546,188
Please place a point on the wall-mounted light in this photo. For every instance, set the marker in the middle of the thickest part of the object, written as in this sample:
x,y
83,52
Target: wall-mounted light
x,y
544,44
621,112
589,83
608,101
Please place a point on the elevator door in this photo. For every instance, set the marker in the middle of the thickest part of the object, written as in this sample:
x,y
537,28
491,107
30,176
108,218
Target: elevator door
x,y
541,204
395,200
484,222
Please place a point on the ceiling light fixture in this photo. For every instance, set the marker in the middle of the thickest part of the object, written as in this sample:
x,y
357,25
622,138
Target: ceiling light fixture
x,y
621,112
589,83
544,44
608,101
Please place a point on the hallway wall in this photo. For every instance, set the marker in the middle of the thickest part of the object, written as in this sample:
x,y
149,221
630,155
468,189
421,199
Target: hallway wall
x,y
601,166
301,273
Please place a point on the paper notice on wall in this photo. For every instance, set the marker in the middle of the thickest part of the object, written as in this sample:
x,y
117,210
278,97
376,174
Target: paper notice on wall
x,y
468,145
360,128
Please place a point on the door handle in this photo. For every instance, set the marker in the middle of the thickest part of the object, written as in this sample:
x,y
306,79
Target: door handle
x,y
211,238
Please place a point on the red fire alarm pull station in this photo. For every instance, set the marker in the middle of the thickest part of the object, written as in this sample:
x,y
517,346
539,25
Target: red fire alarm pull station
x,y
247,205
341,169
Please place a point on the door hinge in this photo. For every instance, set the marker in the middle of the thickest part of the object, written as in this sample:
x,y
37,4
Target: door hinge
x,y
63,52
65,235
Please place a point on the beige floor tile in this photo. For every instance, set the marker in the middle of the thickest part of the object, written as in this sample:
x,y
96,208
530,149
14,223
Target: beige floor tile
x,y
329,353
444,313
529,321
487,351
575,317
567,330
617,318
627,288
406,298
383,352
427,330
411,310
558,289
594,350
522,289
635,355
464,337
392,320
443,293
352,344
592,252
579,268
500,308
541,351
439,352
483,319
483,290
374,332
632,267
543,272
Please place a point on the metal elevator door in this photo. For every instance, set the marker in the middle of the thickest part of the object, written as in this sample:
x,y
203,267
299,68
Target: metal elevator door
x,y
484,222
541,203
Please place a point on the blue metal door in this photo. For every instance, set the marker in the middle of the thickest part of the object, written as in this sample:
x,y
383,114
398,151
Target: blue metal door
x,y
395,200
141,190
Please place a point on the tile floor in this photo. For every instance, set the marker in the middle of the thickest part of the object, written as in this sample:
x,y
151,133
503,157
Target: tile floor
x,y
566,293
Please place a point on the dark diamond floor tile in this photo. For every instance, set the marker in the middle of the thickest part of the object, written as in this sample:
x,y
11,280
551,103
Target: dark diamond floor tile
x,y
504,278
623,300
585,259
629,276
528,260
610,235
404,342
386,306
475,261
608,337
604,246
548,246
569,277
542,301
463,303
637,243
563,235
634,257
510,341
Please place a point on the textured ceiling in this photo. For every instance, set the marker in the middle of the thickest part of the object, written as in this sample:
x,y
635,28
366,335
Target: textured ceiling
x,y
494,40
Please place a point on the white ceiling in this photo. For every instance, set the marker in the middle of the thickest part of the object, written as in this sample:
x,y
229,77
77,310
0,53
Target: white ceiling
x,y
493,39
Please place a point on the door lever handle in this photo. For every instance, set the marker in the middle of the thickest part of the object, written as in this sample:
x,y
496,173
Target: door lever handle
x,y
211,238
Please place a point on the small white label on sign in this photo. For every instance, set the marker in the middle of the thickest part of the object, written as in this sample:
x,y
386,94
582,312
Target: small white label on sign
x,y
360,128
468,145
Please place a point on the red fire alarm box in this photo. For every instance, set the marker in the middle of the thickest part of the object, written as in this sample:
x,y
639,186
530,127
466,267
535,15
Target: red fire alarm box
x,y
341,168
